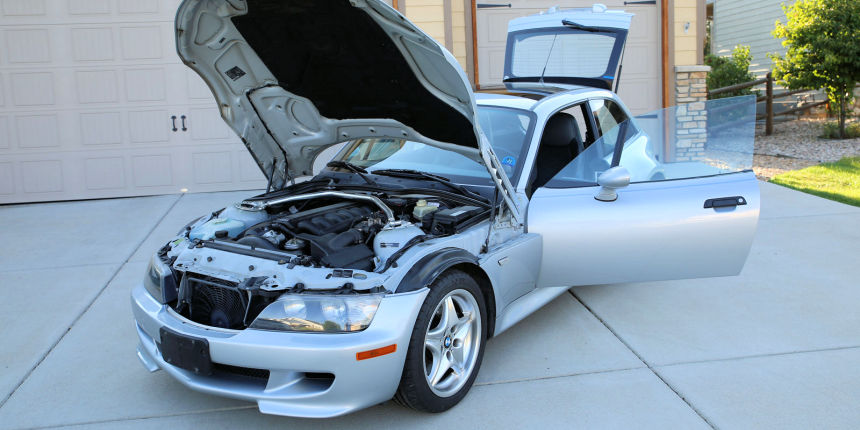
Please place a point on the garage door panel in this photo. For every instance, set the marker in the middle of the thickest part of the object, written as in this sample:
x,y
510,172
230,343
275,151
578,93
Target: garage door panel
x,y
105,173
28,46
97,86
43,176
141,43
249,172
642,27
101,128
23,7
145,85
7,178
638,62
38,131
197,89
213,167
89,7
5,137
71,11
494,59
206,125
33,89
152,170
496,28
639,94
137,6
92,44
149,126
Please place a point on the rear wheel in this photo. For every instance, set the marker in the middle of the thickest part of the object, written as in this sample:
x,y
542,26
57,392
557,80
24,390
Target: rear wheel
x,y
447,345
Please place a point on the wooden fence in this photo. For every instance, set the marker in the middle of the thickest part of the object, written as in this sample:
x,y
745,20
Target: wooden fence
x,y
769,97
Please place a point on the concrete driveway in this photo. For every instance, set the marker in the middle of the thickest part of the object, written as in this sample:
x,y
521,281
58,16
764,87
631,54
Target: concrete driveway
x,y
777,347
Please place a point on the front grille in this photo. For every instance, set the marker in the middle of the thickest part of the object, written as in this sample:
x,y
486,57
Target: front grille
x,y
217,303
247,372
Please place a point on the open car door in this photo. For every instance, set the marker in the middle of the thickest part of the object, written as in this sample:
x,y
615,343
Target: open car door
x,y
690,210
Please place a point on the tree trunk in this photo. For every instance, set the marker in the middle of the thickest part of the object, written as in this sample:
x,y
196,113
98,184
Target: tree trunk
x,y
842,134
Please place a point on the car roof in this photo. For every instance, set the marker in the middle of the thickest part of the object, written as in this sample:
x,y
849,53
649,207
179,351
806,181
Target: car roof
x,y
530,100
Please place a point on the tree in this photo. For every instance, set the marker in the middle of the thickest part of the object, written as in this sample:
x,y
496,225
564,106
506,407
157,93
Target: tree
x,y
823,41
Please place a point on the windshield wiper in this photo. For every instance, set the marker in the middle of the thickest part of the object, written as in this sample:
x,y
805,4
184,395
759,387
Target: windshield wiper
x,y
409,173
578,26
358,170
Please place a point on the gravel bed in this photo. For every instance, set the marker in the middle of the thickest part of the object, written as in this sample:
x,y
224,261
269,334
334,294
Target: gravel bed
x,y
796,145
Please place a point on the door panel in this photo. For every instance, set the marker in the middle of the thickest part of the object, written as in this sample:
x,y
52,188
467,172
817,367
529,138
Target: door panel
x,y
654,231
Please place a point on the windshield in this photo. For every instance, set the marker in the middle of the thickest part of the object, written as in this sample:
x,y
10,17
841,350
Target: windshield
x,y
507,130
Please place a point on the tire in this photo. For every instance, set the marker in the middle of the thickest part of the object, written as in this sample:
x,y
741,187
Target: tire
x,y
425,384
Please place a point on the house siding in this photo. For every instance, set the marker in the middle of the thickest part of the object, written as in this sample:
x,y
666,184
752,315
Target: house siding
x,y
429,15
744,22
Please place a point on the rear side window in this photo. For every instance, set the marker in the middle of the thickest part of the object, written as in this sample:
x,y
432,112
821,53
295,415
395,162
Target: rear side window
x,y
607,114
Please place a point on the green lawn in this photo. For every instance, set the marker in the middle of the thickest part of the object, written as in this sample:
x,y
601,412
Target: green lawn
x,y
838,181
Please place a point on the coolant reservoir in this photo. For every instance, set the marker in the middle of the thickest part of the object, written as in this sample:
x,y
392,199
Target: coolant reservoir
x,y
422,208
388,242
208,229
249,218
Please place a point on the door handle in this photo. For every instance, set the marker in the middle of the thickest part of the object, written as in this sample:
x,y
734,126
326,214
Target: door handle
x,y
491,5
173,118
184,128
725,202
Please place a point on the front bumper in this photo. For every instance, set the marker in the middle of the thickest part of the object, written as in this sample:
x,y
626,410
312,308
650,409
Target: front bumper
x,y
294,360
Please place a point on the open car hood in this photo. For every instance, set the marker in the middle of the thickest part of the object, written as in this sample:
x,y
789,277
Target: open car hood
x,y
293,77
559,48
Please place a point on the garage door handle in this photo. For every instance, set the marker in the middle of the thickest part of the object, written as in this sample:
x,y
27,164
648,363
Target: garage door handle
x,y
725,202
184,128
173,118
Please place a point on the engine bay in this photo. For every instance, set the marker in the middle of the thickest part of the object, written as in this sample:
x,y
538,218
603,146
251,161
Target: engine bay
x,y
341,242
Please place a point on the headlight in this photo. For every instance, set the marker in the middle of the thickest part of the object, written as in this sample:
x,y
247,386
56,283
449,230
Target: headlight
x,y
159,281
319,313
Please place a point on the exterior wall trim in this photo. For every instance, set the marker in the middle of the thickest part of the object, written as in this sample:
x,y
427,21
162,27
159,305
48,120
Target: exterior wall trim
x,y
448,16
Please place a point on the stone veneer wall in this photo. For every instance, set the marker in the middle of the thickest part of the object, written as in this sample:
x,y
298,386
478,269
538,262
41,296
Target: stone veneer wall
x,y
691,119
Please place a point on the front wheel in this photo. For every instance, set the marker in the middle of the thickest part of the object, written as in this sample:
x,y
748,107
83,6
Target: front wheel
x,y
447,345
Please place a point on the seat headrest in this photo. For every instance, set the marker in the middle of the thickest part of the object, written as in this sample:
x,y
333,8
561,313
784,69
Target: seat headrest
x,y
560,130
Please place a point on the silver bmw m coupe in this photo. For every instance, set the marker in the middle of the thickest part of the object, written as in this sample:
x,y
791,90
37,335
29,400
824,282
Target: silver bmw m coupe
x,y
445,216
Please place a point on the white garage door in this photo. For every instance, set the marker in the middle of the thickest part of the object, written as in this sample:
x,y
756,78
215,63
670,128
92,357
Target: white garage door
x,y
640,77
88,93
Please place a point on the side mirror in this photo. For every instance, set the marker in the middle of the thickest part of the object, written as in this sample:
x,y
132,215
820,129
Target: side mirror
x,y
611,180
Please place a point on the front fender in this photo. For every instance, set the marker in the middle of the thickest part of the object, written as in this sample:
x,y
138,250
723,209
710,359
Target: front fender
x,y
429,267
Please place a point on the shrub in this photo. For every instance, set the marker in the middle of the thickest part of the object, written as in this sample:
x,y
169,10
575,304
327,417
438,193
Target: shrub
x,y
731,70
830,130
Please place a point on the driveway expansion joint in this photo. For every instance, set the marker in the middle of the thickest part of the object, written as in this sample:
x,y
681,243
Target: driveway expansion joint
x,y
90,304
646,363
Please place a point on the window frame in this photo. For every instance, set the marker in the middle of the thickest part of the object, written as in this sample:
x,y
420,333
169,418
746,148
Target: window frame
x,y
617,150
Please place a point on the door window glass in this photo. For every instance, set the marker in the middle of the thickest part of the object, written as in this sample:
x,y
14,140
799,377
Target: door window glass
x,y
688,141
